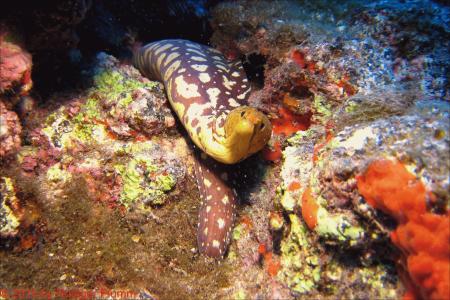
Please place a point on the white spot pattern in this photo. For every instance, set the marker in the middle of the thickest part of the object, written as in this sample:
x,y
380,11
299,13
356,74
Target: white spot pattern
x,y
200,68
184,89
204,77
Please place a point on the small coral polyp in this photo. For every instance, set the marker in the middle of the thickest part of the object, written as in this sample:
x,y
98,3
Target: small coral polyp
x,y
422,236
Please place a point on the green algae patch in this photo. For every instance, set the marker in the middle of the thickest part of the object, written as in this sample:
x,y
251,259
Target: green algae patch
x,y
323,111
338,228
240,295
300,267
144,181
301,136
57,174
238,231
115,87
143,168
91,109
67,132
140,183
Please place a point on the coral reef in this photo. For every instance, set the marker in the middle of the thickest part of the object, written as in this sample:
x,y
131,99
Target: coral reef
x,y
322,184
343,84
349,200
121,105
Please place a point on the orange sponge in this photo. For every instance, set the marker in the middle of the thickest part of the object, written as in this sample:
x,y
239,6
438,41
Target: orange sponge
x,y
289,123
423,237
309,209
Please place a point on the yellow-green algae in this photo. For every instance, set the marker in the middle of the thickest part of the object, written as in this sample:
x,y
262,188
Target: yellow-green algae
x,y
238,231
57,173
322,109
112,87
117,88
240,295
66,132
138,184
300,267
336,227
301,136
142,178
375,281
276,222
9,222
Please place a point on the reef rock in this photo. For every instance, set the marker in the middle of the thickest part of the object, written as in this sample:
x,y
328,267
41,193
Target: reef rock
x,y
131,99
114,125
320,184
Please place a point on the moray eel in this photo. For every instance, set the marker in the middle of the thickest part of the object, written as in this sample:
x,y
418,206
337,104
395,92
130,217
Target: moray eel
x,y
209,94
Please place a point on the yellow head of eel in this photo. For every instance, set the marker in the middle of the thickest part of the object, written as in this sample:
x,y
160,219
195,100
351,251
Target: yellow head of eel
x,y
247,130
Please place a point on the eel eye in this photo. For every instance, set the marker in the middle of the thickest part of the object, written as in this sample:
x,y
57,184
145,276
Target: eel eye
x,y
261,127
242,114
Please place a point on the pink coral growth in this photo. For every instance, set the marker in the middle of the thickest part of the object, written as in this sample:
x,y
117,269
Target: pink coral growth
x,y
42,159
10,130
15,68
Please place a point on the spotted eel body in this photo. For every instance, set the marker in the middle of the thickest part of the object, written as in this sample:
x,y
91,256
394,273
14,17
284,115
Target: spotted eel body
x,y
209,94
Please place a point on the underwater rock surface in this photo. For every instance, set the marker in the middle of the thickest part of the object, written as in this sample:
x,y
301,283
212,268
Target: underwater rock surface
x,y
350,198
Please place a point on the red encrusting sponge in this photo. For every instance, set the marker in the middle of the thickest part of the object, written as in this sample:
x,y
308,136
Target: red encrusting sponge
x,y
423,237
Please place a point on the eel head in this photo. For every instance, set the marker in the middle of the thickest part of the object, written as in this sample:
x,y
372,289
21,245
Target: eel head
x,y
247,130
